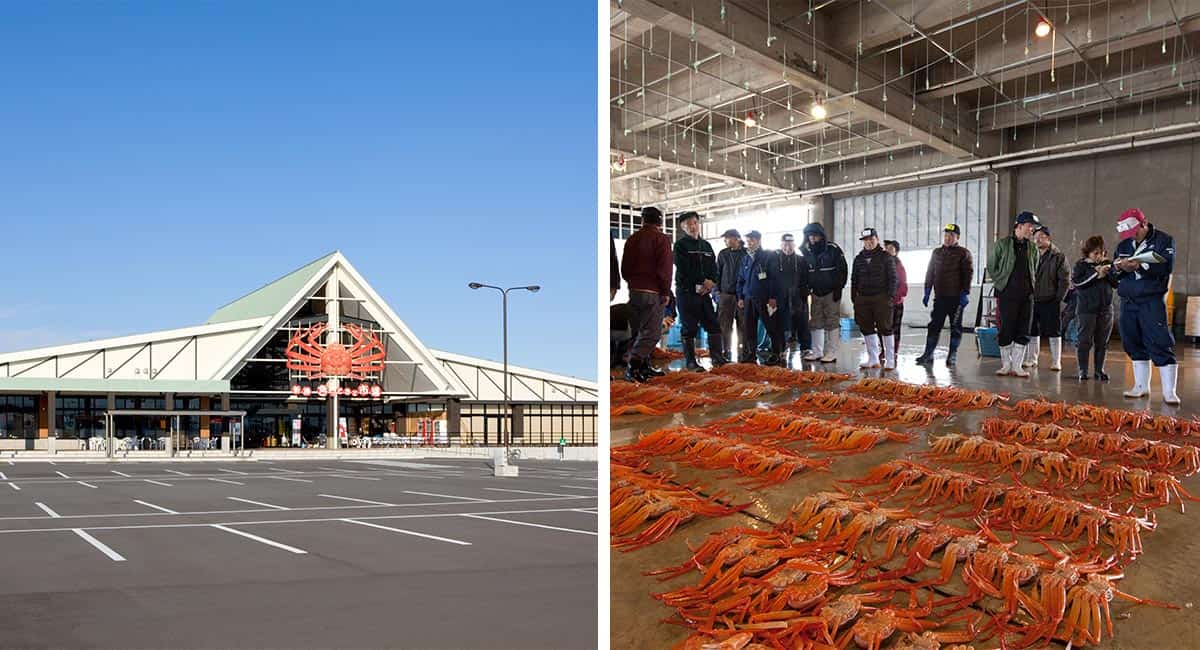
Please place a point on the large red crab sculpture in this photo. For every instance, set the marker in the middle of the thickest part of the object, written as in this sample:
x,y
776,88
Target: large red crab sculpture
x,y
306,354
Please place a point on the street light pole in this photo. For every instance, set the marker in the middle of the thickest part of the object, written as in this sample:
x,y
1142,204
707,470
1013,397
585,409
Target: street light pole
x,y
505,429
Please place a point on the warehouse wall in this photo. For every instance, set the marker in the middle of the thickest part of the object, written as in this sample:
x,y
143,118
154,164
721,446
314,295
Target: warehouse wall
x,y
1081,197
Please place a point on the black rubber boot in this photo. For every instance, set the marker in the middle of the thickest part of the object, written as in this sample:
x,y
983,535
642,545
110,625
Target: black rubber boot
x,y
1083,374
930,345
716,351
952,357
689,355
633,372
1101,375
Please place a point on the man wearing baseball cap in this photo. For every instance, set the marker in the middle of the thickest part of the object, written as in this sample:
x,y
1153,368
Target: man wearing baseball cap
x,y
646,267
758,296
873,282
948,277
729,264
1144,260
695,279
1012,265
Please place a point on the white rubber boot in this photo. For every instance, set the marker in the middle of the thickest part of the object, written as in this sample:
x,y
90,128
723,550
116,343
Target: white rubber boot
x,y
818,346
1055,352
1017,353
872,344
1141,380
1031,352
832,340
1169,376
1005,360
889,353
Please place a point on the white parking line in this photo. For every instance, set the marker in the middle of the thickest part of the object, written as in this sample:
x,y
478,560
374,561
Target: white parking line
x,y
61,474
548,494
3,477
258,503
175,472
151,505
408,532
526,523
577,487
121,474
357,478
264,540
14,486
50,512
287,478
374,503
443,496
86,484
590,512
437,515
157,482
112,555
221,480
231,471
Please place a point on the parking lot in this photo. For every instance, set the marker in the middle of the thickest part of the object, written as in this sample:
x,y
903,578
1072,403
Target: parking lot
x,y
309,553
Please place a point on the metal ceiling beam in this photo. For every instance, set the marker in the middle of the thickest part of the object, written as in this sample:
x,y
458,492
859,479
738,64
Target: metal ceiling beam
x,y
903,146
995,60
750,46
880,26
673,166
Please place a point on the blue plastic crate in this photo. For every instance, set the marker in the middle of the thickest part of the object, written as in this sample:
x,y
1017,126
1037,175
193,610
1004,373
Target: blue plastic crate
x,y
675,337
849,326
988,340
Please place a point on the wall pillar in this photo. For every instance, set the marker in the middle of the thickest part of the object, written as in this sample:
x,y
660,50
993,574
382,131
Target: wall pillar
x,y
517,423
453,417
205,420
226,437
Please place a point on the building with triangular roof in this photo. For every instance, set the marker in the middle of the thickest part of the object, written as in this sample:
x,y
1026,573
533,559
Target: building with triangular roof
x,y
272,368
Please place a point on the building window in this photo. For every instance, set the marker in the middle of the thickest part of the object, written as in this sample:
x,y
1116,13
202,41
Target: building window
x,y
79,416
18,416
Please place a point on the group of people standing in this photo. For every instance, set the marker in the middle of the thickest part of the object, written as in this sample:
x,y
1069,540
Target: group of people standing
x,y
795,292
1031,280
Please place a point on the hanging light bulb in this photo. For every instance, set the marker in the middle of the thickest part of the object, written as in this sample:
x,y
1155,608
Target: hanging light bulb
x,y
1042,30
818,110
751,120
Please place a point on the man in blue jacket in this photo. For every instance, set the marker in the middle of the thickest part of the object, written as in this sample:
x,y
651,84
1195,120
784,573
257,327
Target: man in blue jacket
x,y
758,294
1143,289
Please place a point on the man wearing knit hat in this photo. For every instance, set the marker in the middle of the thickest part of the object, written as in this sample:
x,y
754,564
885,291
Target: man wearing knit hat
x,y
1144,260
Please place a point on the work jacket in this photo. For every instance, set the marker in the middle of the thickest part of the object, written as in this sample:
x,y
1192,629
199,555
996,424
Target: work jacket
x,y
1052,279
646,261
751,284
1003,258
694,263
827,270
1152,278
793,275
950,271
1093,294
729,264
874,274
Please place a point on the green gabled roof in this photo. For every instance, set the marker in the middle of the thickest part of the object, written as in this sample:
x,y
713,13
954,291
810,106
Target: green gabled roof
x,y
268,300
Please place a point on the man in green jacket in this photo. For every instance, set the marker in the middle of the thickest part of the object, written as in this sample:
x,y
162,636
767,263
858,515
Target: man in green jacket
x,y
695,279
1012,265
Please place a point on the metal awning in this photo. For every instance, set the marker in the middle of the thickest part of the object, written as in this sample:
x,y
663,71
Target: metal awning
x,y
174,412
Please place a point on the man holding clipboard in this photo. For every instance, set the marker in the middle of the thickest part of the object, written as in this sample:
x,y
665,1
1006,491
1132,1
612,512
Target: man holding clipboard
x,y
1144,260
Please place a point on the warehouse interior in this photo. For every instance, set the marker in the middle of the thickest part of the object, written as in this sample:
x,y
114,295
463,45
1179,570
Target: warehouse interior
x,y
906,116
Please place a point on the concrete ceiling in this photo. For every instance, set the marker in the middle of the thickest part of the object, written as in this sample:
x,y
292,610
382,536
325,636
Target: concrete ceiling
x,y
956,79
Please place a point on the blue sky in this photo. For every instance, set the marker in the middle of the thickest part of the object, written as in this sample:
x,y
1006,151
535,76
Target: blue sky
x,y
159,159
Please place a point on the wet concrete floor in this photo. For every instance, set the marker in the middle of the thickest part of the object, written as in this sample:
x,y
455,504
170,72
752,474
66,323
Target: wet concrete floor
x,y
1166,571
